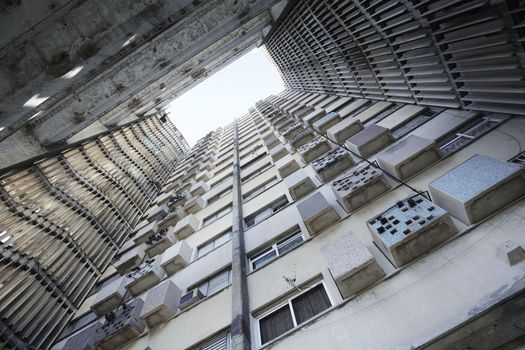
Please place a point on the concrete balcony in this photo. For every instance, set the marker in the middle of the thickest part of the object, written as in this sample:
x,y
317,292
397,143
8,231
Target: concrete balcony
x,y
172,218
122,328
370,140
332,164
161,241
317,213
160,304
351,264
199,189
278,152
410,229
409,156
176,257
203,176
301,138
359,187
157,212
194,205
109,297
343,130
85,339
144,233
287,165
130,259
299,184
270,140
283,123
314,116
314,149
178,199
186,227
292,130
478,188
145,276
326,122
164,198
301,111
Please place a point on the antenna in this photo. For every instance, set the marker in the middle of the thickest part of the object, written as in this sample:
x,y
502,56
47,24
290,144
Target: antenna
x,y
291,282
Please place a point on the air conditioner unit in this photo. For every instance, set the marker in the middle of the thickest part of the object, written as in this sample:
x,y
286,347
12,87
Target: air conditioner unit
x,y
190,298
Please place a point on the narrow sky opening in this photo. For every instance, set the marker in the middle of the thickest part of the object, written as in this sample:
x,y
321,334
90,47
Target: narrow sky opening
x,y
224,96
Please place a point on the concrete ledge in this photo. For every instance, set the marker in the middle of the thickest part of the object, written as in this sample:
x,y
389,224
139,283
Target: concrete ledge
x,y
343,130
301,138
278,152
332,164
145,276
144,233
176,257
410,229
186,227
299,184
130,259
287,165
314,149
194,205
326,122
160,304
369,140
161,241
317,213
109,297
314,116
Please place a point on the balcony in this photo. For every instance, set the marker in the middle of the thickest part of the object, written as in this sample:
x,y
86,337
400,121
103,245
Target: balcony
x,y
194,205
359,187
478,188
410,229
301,111
409,156
172,218
160,241
287,165
199,189
370,140
299,184
186,227
351,264
144,233
164,198
314,116
160,304
301,138
130,259
178,199
292,130
317,213
332,164
326,122
270,140
278,152
203,176
157,213
343,130
122,327
145,276
176,257
314,149
84,340
109,297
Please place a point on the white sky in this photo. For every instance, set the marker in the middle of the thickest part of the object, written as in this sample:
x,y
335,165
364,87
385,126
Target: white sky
x,y
224,96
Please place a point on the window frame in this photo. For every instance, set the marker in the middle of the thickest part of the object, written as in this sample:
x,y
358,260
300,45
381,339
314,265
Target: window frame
x,y
280,206
260,189
274,247
217,215
213,242
207,281
288,301
220,195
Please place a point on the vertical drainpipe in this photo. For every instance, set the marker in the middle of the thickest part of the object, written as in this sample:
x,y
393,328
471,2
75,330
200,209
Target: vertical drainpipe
x,y
240,326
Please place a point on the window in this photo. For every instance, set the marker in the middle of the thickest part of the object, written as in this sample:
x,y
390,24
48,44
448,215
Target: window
x,y
219,195
294,312
221,180
254,159
252,175
266,212
215,283
277,249
255,192
217,215
214,243
219,342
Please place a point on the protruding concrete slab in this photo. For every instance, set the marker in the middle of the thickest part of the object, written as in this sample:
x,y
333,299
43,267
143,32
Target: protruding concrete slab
x,y
302,137
161,241
351,264
301,111
178,199
160,304
123,328
332,164
145,276
353,107
410,229
194,205
511,252
314,116
176,257
369,140
287,165
202,177
359,187
186,227
164,198
372,111
270,140
292,130
85,339
326,122
478,187
130,259
299,184
172,218
343,130
317,213
401,116
109,297
199,189
409,156
144,233
313,149
278,152
156,213
444,123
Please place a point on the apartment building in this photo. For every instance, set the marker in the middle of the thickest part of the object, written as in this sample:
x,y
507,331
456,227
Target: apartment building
x,y
318,221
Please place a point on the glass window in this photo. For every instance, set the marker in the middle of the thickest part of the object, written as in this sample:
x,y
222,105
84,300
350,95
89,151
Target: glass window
x,y
217,215
214,243
294,312
220,195
255,192
279,248
266,212
215,283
